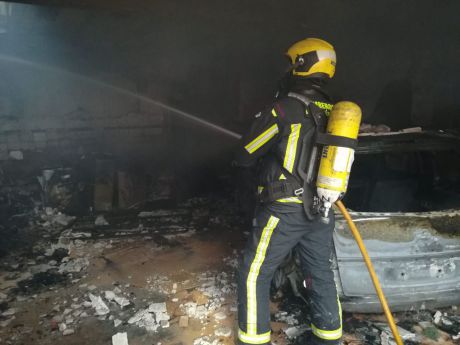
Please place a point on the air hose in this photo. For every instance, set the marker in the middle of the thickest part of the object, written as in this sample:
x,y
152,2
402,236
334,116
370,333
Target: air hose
x,y
371,270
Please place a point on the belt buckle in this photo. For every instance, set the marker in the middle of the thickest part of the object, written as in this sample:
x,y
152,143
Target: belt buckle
x,y
298,192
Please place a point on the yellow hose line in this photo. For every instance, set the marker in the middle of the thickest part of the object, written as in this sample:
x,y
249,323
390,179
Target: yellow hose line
x,y
371,270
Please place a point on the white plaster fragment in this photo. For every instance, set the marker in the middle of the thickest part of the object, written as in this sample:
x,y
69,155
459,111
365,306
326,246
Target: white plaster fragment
x,y
99,305
120,339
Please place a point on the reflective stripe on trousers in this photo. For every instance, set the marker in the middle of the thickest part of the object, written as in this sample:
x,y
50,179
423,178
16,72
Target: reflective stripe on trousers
x,y
254,339
273,236
251,283
325,334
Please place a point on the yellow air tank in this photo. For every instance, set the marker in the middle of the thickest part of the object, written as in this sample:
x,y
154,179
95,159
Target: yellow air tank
x,y
336,161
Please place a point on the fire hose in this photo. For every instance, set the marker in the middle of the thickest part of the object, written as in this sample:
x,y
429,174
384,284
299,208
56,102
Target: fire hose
x,y
332,183
370,268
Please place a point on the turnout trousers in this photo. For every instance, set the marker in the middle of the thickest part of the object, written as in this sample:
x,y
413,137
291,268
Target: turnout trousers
x,y
273,235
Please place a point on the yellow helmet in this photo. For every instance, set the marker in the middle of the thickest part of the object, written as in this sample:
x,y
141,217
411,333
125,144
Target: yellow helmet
x,y
312,57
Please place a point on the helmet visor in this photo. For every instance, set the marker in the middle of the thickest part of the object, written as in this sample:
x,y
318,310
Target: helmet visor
x,y
326,54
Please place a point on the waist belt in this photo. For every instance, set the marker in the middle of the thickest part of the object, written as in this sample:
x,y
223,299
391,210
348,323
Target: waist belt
x,y
280,189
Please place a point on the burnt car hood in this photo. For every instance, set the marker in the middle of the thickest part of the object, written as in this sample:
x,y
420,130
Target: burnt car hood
x,y
415,255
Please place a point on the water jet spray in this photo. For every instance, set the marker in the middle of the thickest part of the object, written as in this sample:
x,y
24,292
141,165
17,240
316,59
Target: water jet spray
x,y
180,113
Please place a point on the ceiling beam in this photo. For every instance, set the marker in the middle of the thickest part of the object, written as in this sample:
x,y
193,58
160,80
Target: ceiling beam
x,y
117,5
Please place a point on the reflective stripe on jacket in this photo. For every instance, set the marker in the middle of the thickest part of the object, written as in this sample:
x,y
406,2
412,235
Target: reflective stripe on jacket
x,y
274,141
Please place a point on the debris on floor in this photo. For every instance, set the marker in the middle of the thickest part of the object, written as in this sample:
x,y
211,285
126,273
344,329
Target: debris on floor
x,y
101,221
164,275
120,339
118,277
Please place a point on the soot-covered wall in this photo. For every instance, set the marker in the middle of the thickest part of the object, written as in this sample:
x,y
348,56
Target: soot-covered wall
x,y
221,60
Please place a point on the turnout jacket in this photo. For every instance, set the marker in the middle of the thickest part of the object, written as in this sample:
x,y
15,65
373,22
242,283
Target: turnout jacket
x,y
274,142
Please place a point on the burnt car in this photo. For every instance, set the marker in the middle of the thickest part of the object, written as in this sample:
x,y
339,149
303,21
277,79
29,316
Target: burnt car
x,y
404,195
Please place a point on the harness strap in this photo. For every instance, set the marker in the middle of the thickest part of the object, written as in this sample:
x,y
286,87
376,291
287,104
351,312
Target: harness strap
x,y
280,189
309,156
300,97
335,140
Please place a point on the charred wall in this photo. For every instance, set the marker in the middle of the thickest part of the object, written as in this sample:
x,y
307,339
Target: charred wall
x,y
218,60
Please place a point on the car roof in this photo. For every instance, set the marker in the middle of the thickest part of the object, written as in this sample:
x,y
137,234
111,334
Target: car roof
x,y
408,141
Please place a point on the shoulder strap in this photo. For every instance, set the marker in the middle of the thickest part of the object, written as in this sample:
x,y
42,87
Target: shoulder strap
x,y
308,160
322,138
301,98
310,107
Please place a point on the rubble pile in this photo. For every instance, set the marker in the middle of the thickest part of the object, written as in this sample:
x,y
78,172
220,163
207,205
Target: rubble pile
x,y
208,305
291,324
111,306
52,220
215,286
287,318
151,318
423,327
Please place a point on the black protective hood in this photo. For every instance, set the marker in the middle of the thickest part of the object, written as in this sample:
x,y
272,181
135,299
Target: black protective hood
x,y
310,86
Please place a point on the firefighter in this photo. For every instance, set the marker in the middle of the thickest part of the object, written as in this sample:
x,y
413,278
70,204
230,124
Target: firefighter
x,y
287,215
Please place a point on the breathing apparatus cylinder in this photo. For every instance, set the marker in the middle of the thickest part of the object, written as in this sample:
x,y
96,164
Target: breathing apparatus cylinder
x,y
336,161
